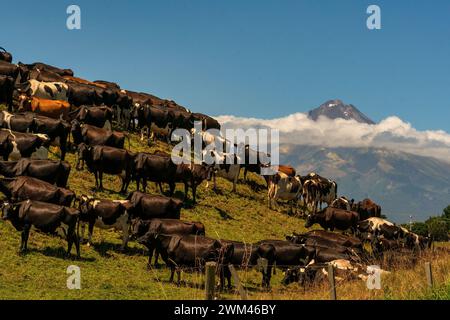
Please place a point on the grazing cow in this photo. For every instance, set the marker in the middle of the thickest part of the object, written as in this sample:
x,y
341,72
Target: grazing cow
x,y
332,218
9,69
28,188
46,67
156,168
104,159
367,209
344,204
52,171
94,136
318,190
148,207
146,230
46,217
246,255
192,251
283,187
16,145
226,166
100,117
5,56
289,254
56,109
44,90
6,90
104,214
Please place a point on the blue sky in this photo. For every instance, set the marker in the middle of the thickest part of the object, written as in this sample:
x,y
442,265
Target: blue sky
x,y
261,59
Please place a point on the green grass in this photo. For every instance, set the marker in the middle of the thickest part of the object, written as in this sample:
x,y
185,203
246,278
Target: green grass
x,y
108,274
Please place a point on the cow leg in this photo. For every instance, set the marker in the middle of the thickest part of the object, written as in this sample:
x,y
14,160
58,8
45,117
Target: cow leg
x,y
138,181
100,178
125,236
24,236
90,232
160,187
268,276
194,193
178,276
186,190
171,188
96,180
172,273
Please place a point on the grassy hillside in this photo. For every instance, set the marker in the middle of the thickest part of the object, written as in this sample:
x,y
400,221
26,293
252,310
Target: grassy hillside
x,y
108,274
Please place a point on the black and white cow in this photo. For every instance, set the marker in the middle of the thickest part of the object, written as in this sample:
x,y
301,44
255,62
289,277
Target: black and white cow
x,y
104,214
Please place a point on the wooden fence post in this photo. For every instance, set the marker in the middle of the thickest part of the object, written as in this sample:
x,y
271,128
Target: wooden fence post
x,y
237,282
429,274
332,282
210,280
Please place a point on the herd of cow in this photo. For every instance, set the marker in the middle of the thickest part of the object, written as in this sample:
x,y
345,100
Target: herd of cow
x,y
48,105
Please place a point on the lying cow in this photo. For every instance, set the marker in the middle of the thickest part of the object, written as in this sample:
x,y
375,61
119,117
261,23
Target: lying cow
x,y
52,171
104,214
28,188
103,159
332,218
46,217
191,251
147,206
380,227
16,145
94,136
145,230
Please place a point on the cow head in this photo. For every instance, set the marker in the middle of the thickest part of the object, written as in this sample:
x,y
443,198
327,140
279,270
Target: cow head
x,y
310,220
139,229
82,154
7,210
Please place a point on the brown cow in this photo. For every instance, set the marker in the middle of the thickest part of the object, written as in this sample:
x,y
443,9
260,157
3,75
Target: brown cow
x,y
50,108
288,170
333,218
367,209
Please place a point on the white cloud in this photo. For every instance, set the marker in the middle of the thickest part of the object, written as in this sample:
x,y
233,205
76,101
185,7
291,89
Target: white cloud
x,y
391,133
